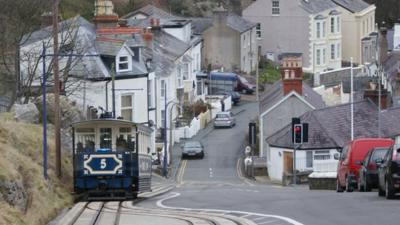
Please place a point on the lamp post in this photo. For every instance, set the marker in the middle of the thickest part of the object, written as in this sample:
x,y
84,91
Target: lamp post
x,y
44,113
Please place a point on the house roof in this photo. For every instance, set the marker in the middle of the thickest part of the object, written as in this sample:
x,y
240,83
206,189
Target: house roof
x,y
316,6
330,127
238,23
65,25
152,11
275,94
359,84
352,5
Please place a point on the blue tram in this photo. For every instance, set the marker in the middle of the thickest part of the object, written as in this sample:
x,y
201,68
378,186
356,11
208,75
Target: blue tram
x,y
111,159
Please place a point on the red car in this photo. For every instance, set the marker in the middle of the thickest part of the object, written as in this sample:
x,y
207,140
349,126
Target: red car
x,y
350,161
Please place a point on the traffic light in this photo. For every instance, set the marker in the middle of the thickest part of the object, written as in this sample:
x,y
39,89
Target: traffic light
x,y
298,133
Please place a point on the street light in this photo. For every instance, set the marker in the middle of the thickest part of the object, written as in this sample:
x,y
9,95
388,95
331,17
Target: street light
x,y
44,113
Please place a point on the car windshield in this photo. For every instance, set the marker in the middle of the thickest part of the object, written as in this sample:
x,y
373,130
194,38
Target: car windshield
x,y
192,145
243,80
378,154
222,116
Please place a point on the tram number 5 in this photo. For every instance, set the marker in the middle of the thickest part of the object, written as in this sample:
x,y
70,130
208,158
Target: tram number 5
x,y
103,164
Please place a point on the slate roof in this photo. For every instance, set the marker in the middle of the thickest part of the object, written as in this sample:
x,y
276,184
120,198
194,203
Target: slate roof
x,y
352,5
65,25
166,50
316,6
200,24
238,23
152,11
330,127
359,84
275,94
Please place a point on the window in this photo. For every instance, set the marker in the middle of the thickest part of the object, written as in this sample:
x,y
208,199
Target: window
x,y
323,29
323,56
162,88
333,51
162,118
309,159
179,76
123,63
275,7
318,57
199,87
258,30
338,24
322,155
332,25
338,50
127,107
150,93
105,138
318,30
125,141
85,139
186,71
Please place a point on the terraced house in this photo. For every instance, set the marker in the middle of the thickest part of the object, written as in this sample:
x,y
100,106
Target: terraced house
x,y
310,27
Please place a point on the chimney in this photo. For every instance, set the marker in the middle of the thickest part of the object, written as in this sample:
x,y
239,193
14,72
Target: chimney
x,y
46,19
383,44
291,72
373,94
220,15
155,25
104,15
122,23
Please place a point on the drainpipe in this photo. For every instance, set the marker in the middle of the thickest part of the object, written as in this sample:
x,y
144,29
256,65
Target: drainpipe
x,y
107,82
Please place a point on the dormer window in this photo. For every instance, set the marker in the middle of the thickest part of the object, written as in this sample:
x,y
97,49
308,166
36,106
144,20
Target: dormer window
x,y
123,63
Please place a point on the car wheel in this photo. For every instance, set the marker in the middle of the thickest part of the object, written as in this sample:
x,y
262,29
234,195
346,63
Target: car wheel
x,y
338,187
349,188
367,187
380,191
389,190
360,187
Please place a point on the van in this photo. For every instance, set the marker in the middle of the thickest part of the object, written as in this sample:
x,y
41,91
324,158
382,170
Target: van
x,y
350,160
225,81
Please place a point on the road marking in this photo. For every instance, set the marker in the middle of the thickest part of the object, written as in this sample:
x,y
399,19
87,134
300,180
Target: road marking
x,y
266,222
181,172
239,173
175,194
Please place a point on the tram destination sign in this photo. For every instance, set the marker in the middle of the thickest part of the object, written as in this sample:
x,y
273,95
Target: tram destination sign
x,y
102,164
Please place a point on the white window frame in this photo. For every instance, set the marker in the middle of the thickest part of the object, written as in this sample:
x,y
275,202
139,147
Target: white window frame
x,y
131,107
185,71
333,24
162,114
324,29
308,157
276,7
119,63
333,47
318,57
318,29
322,155
323,56
338,51
162,88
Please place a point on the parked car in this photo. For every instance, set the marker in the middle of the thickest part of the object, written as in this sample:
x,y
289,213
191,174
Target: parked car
x,y
389,173
368,172
350,160
235,96
244,86
192,149
224,119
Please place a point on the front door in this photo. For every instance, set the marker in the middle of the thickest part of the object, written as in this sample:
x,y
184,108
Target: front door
x,y
287,162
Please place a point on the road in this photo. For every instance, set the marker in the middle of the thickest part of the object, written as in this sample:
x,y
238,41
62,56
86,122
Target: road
x,y
211,191
213,185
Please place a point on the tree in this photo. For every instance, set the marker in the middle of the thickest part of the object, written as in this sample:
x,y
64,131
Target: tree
x,y
18,19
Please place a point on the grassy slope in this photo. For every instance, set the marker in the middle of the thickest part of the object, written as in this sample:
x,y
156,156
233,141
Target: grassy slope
x,y
21,159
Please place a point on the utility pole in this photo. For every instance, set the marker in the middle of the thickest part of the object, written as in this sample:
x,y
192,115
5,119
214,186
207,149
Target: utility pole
x,y
57,119
257,75
165,173
351,100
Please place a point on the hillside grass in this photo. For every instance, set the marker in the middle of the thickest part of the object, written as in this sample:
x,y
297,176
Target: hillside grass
x,y
21,159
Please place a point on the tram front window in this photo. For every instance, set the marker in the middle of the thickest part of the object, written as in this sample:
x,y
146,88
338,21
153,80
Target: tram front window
x,y
85,139
105,138
125,142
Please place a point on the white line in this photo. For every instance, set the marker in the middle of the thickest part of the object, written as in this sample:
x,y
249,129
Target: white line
x,y
175,194
266,222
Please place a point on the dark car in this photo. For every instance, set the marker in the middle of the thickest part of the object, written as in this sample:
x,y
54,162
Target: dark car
x,y
244,86
192,149
368,172
235,96
389,173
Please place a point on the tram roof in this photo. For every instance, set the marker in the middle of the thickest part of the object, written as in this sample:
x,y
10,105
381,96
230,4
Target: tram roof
x,y
111,121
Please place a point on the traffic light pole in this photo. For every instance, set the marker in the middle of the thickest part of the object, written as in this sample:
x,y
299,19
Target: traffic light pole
x,y
294,164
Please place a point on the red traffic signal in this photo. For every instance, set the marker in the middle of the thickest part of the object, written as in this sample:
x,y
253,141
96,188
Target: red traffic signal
x,y
298,134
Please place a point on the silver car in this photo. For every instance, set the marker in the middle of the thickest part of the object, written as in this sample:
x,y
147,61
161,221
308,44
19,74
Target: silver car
x,y
224,119
192,149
